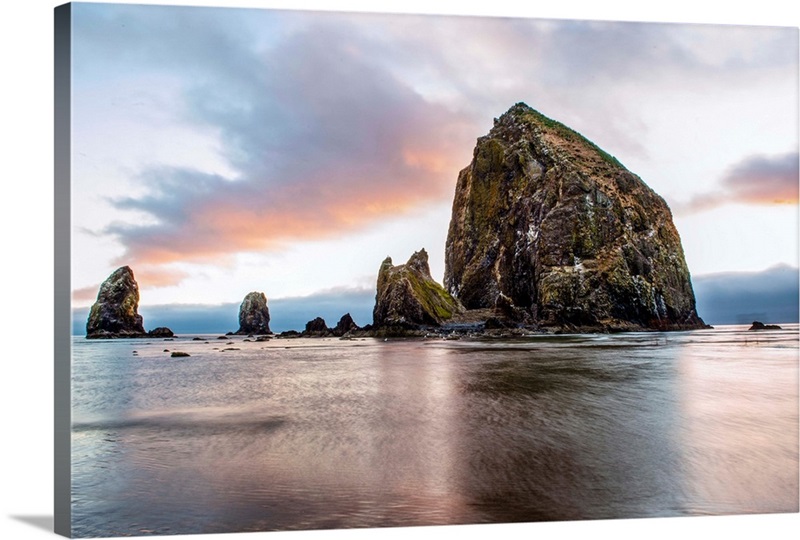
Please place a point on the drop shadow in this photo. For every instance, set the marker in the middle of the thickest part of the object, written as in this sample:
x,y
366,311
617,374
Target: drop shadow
x,y
40,522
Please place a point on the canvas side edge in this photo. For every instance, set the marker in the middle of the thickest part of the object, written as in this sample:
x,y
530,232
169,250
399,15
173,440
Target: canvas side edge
x,y
62,279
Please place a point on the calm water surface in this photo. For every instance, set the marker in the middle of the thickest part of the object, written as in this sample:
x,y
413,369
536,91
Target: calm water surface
x,y
323,433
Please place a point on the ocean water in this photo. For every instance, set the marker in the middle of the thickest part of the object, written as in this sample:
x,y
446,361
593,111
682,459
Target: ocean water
x,y
324,433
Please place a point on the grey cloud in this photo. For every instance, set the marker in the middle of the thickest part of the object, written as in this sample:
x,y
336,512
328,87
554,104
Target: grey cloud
x,y
294,313
765,178
667,52
120,39
770,296
758,179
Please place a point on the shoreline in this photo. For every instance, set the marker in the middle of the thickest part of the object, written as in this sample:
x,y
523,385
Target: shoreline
x,y
431,334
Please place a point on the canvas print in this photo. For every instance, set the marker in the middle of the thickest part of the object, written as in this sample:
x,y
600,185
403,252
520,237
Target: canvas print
x,y
328,270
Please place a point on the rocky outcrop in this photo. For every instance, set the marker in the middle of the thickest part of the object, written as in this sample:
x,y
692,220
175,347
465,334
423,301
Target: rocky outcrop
x,y
253,315
758,325
115,314
316,327
161,332
552,231
407,295
319,328
346,324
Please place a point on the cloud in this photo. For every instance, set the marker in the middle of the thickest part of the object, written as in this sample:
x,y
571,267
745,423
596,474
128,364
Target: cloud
x,y
757,180
331,123
85,294
151,275
325,142
294,313
765,180
770,296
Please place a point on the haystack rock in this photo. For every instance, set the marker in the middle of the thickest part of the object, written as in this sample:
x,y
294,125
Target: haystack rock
x,y
550,228
408,296
254,315
115,314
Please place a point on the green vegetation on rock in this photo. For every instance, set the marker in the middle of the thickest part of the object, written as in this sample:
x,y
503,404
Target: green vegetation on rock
x,y
407,296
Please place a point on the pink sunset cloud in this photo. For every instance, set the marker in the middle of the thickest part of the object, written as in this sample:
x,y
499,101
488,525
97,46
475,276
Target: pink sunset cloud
x,y
757,180
332,145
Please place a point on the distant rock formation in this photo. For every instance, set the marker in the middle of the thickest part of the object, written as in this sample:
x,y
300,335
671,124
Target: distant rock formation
x,y
316,327
161,331
758,325
407,295
253,315
550,230
115,313
346,324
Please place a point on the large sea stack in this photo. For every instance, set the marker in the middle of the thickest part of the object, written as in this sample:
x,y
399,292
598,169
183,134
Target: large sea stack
x,y
408,297
254,315
550,228
115,314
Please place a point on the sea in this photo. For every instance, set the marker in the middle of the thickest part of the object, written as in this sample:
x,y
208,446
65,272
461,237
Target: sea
x,y
322,433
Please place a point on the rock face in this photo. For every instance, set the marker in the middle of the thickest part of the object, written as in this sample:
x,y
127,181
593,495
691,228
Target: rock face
x,y
408,296
553,231
115,313
254,315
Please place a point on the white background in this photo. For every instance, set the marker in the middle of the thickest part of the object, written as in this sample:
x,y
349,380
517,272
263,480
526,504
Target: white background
x,y
27,265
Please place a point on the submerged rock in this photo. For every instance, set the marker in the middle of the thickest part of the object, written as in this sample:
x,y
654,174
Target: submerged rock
x,y
253,315
115,314
407,296
550,230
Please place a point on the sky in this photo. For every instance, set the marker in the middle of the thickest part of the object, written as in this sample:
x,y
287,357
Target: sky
x,y
223,151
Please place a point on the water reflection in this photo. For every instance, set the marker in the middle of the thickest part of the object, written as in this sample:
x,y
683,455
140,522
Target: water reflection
x,y
739,407
582,436
319,434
